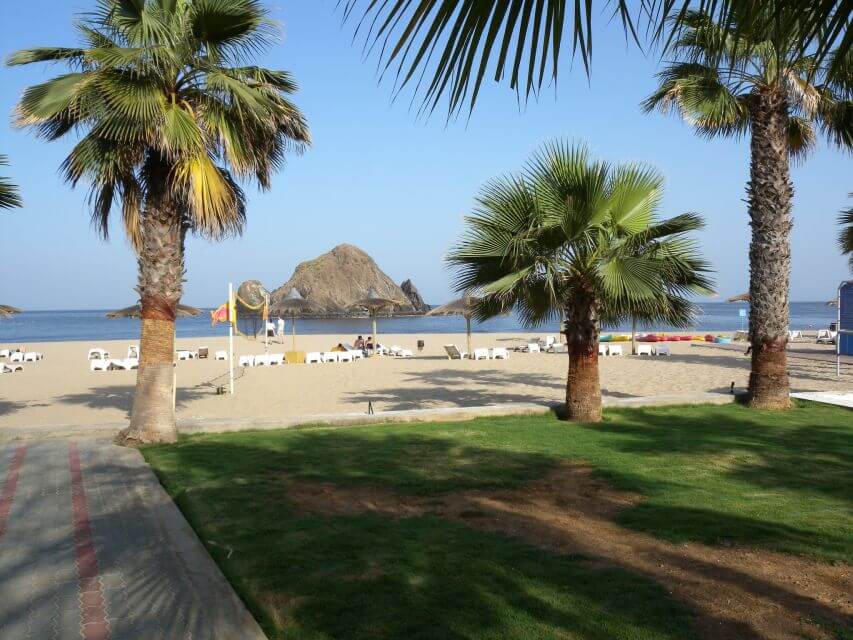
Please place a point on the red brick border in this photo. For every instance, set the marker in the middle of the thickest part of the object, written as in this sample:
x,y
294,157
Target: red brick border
x,y
10,486
93,613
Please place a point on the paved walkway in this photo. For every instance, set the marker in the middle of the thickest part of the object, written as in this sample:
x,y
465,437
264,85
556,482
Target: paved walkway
x,y
92,548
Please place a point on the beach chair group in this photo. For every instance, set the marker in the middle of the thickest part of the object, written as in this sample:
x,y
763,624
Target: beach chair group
x,y
259,360
653,350
100,360
14,358
495,353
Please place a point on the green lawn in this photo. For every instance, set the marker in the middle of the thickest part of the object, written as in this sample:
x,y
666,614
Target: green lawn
x,y
717,475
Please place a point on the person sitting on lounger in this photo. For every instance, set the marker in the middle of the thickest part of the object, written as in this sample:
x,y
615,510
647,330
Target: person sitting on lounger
x,y
359,343
369,344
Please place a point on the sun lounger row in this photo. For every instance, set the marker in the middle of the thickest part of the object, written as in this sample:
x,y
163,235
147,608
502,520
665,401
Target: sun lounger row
x,y
653,350
24,356
261,360
317,357
495,353
113,364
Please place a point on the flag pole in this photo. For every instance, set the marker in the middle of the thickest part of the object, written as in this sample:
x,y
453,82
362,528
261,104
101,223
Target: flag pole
x,y
231,337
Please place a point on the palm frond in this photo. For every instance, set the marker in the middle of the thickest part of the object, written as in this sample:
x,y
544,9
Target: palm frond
x,y
9,196
845,236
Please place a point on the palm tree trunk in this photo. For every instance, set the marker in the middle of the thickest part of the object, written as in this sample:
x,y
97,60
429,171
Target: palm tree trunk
x,y
769,195
583,388
161,275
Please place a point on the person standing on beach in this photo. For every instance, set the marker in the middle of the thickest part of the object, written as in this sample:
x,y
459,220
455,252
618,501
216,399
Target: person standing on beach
x,y
280,323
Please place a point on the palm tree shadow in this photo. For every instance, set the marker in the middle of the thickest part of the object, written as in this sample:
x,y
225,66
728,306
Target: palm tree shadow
x,y
121,397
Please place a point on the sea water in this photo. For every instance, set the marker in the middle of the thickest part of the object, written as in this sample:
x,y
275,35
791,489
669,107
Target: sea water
x,y
93,325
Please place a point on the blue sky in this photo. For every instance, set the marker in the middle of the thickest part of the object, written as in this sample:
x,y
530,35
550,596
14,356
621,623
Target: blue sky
x,y
382,179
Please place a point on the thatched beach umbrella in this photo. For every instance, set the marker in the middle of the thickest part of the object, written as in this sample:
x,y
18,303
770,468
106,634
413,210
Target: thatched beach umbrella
x,y
8,310
373,303
744,297
293,304
135,311
464,307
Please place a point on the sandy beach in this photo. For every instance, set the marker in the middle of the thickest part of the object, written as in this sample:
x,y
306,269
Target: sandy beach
x,y
60,390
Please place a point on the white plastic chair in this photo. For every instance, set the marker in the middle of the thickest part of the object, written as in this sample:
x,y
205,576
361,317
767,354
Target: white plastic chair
x,y
246,361
602,349
644,349
99,364
220,355
481,354
313,357
533,347
615,349
662,350
500,353
826,336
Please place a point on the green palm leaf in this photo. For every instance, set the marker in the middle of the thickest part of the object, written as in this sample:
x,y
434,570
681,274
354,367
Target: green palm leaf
x,y
9,197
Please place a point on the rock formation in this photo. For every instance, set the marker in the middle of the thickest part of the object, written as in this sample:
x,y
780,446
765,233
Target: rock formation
x,y
414,296
335,280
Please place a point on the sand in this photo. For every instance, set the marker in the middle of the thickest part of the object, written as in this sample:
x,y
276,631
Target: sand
x,y
61,390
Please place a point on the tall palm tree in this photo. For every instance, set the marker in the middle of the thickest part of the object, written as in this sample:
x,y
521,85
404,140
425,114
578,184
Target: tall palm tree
x,y
446,48
171,112
766,87
580,237
9,196
845,236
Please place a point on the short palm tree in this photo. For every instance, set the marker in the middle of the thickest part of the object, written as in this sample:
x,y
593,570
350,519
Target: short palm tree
x,y
170,112
9,197
845,236
583,238
763,85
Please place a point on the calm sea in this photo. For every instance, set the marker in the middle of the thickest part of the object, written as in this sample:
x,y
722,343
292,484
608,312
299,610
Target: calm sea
x,y
61,325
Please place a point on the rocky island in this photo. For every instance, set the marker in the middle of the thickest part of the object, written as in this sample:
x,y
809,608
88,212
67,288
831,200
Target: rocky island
x,y
332,282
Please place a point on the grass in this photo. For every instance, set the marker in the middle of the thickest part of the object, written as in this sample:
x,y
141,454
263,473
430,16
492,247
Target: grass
x,y
720,474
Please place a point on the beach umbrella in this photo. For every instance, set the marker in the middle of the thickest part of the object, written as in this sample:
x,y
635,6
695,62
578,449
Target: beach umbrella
x,y
293,304
135,311
373,303
465,307
8,310
744,297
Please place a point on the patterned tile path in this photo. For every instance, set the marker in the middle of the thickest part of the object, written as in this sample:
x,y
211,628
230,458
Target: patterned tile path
x,y
92,548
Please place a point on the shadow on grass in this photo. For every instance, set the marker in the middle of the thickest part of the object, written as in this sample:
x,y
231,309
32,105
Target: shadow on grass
x,y
369,576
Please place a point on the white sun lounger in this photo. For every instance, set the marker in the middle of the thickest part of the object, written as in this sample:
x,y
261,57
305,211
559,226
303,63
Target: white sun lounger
x,y
133,351
97,352
614,349
330,356
533,347
33,356
276,359
644,349
18,356
4,353
246,361
400,352
826,336
499,353
313,357
481,354
127,364
220,355
185,354
662,350
453,352
99,364
602,349
10,368
345,356
262,360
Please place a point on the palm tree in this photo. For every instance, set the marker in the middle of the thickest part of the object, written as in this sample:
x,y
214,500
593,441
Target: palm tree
x,y
9,197
447,47
583,238
845,236
170,112
765,86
